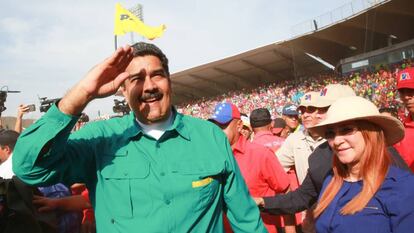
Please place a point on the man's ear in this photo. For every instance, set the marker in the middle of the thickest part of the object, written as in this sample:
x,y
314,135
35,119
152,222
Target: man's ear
x,y
239,125
6,149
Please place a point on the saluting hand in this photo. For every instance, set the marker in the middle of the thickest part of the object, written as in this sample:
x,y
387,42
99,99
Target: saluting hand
x,y
101,81
105,78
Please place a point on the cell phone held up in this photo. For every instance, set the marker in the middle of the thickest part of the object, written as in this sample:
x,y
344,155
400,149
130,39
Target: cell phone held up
x,y
31,108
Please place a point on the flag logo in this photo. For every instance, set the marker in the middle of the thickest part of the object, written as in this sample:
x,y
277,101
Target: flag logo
x,y
405,76
323,92
308,97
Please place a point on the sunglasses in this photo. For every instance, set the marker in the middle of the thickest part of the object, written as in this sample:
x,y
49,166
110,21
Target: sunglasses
x,y
311,109
344,130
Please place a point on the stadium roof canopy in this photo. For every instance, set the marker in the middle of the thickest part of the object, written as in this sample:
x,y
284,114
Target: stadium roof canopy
x,y
377,26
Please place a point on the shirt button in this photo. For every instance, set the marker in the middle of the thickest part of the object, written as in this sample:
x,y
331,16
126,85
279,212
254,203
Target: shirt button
x,y
125,173
162,174
112,221
167,202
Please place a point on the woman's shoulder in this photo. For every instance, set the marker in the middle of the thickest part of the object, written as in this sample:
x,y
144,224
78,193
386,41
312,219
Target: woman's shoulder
x,y
398,182
397,192
397,175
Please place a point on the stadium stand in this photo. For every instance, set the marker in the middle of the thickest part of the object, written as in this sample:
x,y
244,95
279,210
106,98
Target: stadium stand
x,y
378,86
370,44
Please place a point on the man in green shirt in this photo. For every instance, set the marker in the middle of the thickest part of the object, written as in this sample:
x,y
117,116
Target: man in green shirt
x,y
154,170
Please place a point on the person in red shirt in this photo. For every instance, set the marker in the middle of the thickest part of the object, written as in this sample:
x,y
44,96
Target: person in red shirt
x,y
259,166
279,128
261,122
405,87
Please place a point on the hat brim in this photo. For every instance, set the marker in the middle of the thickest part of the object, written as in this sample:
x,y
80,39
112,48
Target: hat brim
x,y
291,114
405,85
323,103
221,121
392,127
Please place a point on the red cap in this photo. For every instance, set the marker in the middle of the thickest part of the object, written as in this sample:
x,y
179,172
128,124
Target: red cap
x,y
405,78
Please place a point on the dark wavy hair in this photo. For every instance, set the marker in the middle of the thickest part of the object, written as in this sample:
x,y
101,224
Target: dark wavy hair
x,y
143,49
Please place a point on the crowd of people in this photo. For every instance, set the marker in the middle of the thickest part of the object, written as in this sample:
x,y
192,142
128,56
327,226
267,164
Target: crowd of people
x,y
305,155
377,85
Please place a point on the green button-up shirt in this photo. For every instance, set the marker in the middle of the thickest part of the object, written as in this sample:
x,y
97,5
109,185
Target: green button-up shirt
x,y
179,183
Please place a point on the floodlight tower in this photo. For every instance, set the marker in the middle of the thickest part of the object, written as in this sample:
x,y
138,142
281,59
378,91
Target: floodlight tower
x,y
137,10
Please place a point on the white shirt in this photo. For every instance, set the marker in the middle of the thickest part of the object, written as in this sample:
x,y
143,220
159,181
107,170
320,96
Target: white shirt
x,y
6,171
295,151
156,130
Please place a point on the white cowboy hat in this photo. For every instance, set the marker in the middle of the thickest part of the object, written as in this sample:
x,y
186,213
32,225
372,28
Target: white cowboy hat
x,y
357,108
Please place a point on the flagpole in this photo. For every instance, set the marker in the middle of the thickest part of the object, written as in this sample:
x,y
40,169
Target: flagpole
x,y
116,46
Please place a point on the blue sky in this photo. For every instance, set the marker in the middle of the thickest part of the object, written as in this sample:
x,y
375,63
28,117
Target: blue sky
x,y
47,46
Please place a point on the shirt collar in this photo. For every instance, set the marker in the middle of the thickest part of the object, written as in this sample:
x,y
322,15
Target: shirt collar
x,y
408,121
306,136
179,126
133,129
240,145
262,133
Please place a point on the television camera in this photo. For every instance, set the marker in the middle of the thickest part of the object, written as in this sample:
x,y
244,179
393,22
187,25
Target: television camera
x,y
121,106
46,103
3,97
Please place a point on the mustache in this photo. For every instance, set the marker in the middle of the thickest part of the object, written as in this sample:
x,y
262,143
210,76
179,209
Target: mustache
x,y
153,95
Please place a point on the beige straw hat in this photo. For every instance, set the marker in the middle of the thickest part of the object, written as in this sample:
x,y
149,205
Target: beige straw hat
x,y
309,99
331,93
358,108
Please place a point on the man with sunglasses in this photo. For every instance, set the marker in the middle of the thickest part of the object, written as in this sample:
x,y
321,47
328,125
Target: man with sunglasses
x,y
259,167
405,87
294,152
320,164
300,144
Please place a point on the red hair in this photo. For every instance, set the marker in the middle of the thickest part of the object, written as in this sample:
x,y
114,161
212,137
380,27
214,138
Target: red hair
x,y
373,166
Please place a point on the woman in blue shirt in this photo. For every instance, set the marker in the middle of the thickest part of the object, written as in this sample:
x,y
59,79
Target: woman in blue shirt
x,y
364,193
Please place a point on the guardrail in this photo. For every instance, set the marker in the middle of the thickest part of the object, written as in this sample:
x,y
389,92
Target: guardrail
x,y
339,14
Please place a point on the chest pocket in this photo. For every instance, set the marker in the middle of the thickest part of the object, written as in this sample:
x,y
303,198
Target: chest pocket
x,y
201,182
119,174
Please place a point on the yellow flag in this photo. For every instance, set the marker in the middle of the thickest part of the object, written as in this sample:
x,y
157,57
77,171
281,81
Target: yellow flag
x,y
125,22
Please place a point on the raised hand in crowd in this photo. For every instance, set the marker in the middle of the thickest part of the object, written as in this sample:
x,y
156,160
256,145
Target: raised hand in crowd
x,y
23,109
